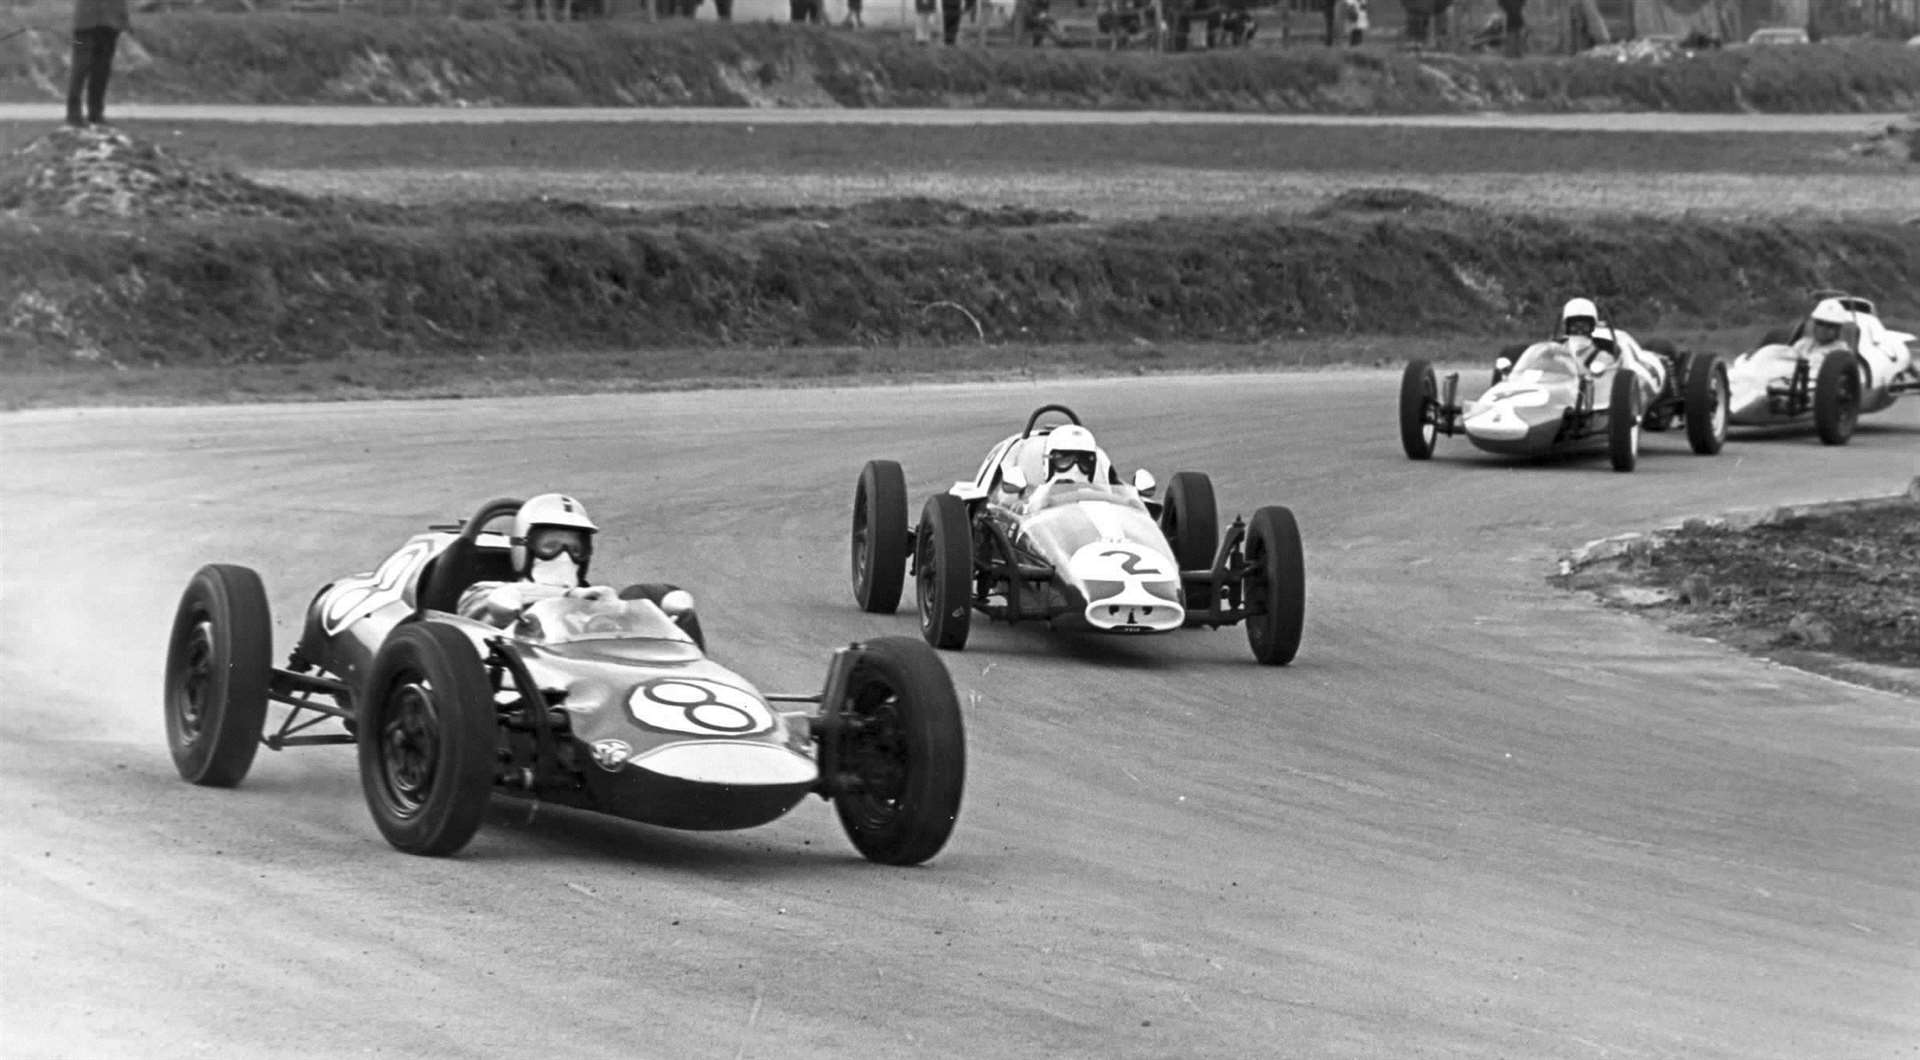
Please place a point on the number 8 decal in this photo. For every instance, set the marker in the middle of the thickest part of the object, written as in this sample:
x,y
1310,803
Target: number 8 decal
x,y
702,708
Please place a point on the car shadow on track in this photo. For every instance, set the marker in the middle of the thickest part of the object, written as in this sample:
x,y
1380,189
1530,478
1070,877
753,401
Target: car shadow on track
x,y
517,831
1787,433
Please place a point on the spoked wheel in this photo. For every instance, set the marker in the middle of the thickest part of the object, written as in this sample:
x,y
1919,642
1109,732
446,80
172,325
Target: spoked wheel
x,y
879,536
1419,404
1276,586
943,565
900,753
1836,398
1707,397
218,665
427,738
1623,421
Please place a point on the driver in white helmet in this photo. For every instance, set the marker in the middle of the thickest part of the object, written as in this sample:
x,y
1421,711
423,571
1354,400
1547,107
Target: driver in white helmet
x,y
1072,455
552,544
1581,318
1829,320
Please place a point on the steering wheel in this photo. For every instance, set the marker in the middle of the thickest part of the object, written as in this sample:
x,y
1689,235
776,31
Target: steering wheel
x,y
1042,411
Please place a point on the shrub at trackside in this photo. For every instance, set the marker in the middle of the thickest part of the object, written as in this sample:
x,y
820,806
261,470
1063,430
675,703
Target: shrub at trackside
x,y
285,58
589,278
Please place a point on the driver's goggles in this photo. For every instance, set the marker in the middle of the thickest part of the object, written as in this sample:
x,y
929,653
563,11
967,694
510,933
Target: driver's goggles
x,y
551,543
1064,461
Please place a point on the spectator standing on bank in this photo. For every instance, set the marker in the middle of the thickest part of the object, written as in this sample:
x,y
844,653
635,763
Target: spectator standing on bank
x,y
1515,26
1331,10
1356,12
97,25
951,13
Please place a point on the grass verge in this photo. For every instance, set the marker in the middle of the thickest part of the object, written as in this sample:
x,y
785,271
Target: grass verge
x,y
283,58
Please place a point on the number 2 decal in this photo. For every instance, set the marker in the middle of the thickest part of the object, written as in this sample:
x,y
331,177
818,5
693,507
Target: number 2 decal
x,y
1132,562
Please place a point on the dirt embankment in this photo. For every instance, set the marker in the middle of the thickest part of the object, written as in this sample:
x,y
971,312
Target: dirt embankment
x,y
218,269
268,58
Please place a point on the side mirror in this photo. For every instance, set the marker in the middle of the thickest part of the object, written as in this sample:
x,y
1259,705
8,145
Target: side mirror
x,y
1013,479
1503,365
1144,482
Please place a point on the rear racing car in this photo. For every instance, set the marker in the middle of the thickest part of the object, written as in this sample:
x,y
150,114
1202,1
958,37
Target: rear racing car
x,y
1569,395
1839,361
610,705
1046,531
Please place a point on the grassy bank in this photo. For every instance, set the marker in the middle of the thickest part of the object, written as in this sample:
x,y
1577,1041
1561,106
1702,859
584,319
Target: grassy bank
x,y
277,58
338,279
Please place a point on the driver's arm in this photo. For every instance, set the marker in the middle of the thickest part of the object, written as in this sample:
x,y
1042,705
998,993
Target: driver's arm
x,y
495,602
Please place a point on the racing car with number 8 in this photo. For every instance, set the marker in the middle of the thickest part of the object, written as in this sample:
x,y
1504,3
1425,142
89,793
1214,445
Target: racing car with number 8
x,y
609,705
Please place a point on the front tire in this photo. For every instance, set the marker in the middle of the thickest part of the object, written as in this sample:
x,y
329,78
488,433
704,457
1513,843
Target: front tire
x,y
901,753
880,537
1419,400
427,739
1836,398
1276,586
1707,409
1623,421
219,661
943,561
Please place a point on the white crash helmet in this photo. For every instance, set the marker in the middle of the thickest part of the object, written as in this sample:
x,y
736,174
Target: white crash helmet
x,y
1830,311
1578,308
549,509
1071,454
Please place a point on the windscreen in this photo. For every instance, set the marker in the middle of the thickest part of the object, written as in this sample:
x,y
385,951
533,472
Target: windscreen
x,y
561,621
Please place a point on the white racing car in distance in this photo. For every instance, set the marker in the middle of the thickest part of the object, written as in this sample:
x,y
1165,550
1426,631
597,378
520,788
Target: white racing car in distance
x,y
1570,395
1836,363
1095,554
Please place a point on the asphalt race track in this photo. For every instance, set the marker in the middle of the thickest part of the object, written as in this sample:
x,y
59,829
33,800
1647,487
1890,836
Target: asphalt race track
x,y
1478,817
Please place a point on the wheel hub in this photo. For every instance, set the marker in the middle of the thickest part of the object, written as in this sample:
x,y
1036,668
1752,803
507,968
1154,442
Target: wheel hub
x,y
409,746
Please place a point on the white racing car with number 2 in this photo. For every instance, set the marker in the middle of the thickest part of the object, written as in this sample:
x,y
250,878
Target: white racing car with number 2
x,y
1015,544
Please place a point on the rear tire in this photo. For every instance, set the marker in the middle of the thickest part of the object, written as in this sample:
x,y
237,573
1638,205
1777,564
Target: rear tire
x,y
1706,403
1191,520
1276,586
1836,398
943,560
1665,412
427,739
880,537
219,661
1419,398
901,753
1623,421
